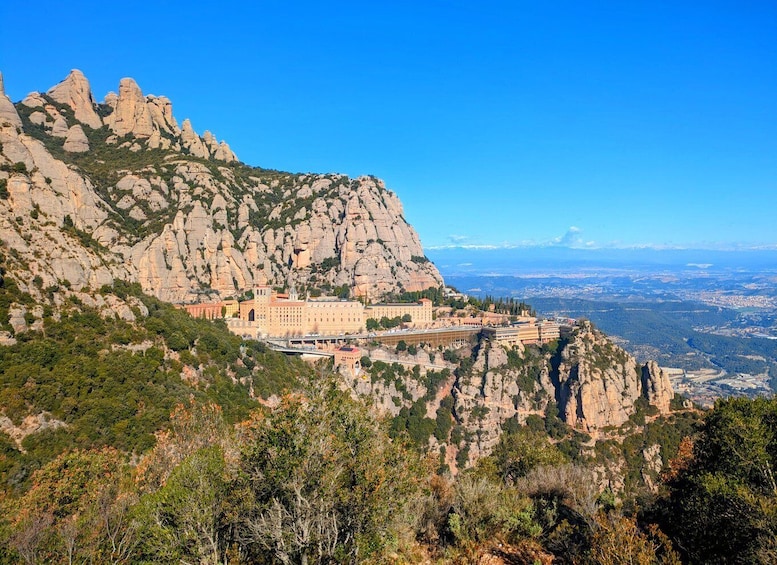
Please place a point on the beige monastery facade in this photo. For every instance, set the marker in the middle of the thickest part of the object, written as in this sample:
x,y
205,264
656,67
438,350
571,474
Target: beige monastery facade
x,y
270,314
529,330
420,312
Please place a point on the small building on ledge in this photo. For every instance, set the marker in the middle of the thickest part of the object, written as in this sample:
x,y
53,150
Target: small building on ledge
x,y
348,357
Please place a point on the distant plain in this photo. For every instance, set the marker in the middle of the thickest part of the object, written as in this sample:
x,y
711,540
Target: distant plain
x,y
703,311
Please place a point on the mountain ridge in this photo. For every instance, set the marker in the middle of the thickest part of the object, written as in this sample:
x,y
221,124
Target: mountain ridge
x,y
141,199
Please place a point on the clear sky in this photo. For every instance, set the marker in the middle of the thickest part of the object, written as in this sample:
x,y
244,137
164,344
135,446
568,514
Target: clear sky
x,y
497,123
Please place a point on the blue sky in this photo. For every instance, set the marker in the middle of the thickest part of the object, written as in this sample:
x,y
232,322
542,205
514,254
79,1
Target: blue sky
x,y
577,124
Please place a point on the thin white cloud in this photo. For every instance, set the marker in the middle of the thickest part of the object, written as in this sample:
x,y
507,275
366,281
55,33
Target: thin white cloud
x,y
573,239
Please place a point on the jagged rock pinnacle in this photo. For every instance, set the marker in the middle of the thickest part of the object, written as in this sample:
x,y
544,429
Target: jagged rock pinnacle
x,y
76,93
8,114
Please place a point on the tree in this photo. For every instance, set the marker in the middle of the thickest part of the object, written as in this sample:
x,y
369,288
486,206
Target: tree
x,y
192,428
71,511
617,540
482,511
185,519
519,452
722,503
324,481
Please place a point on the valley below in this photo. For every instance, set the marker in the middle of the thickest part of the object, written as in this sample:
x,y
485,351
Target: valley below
x,y
709,317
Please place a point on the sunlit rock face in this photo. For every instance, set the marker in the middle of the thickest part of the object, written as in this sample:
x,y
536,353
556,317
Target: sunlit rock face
x,y
120,191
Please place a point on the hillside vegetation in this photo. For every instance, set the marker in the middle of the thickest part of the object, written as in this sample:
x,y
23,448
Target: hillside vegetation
x,y
83,380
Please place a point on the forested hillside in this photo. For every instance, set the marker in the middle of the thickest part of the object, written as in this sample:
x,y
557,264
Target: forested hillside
x,y
81,379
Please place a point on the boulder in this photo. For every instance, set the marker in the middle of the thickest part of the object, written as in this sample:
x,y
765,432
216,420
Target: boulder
x,y
76,141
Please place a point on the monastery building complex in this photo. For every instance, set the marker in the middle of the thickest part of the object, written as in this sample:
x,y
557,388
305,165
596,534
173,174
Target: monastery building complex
x,y
272,314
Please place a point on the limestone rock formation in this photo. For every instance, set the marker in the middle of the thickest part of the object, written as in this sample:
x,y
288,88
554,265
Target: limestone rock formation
x,y
130,114
31,424
592,383
599,382
500,386
76,141
192,142
34,100
60,127
75,92
196,224
656,386
8,114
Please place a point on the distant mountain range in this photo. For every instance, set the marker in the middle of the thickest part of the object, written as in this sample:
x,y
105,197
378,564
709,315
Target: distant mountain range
x,y
523,260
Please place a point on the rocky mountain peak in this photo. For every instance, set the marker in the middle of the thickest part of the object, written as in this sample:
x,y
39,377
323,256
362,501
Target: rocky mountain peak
x,y
130,114
8,114
191,141
656,386
188,221
600,382
76,93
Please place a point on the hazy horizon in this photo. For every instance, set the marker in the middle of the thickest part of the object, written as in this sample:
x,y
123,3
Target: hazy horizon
x,y
531,260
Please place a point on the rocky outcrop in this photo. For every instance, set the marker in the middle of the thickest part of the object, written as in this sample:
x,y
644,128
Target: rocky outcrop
x,y
656,387
30,425
598,382
76,141
8,114
192,142
197,224
483,401
593,384
75,92
587,382
130,114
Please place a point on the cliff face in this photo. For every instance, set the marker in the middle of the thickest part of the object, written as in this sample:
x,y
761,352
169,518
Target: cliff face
x,y
117,190
598,382
587,382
